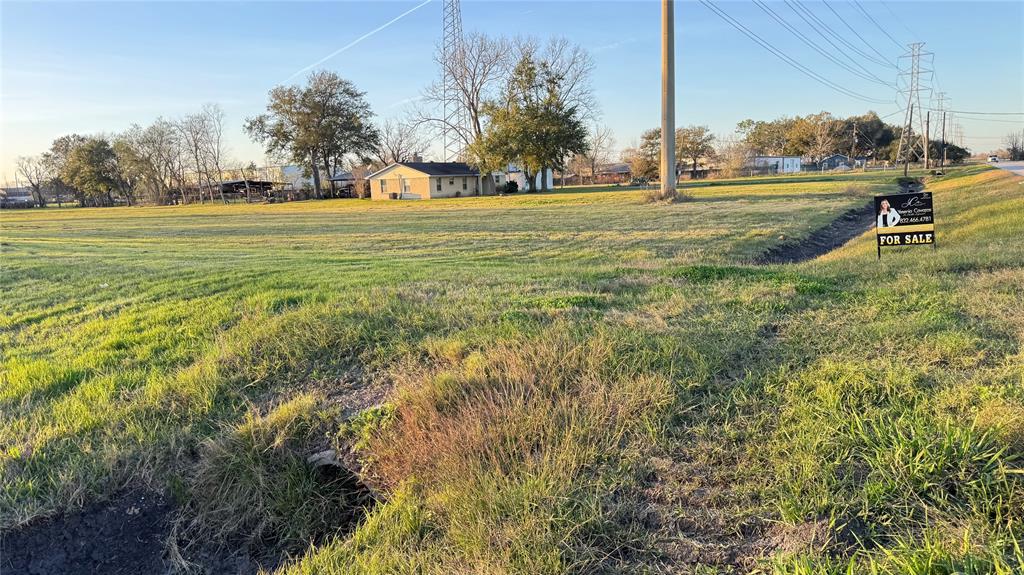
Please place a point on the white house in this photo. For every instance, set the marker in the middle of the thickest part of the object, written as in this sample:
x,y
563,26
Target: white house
x,y
778,164
515,174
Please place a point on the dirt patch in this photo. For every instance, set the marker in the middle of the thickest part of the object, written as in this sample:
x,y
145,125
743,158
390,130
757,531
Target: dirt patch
x,y
847,226
119,537
126,535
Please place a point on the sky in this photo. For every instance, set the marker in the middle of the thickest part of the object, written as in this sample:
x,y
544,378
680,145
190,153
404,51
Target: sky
x,y
86,67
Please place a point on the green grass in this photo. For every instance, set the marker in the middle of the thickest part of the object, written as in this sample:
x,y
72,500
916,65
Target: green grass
x,y
579,381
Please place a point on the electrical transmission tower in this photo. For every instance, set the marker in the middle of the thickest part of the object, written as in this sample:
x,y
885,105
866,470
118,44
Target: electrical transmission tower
x,y
914,143
453,69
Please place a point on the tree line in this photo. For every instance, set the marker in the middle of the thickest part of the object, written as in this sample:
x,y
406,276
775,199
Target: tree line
x,y
814,137
155,163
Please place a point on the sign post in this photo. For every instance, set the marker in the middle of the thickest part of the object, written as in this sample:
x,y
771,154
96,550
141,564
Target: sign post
x,y
904,220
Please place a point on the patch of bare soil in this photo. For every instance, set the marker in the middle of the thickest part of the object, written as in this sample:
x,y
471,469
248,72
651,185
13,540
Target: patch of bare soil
x,y
849,225
126,535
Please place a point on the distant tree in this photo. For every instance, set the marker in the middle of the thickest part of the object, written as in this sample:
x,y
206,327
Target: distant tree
x,y
766,138
56,160
399,142
91,167
534,126
694,143
194,131
478,77
866,135
1015,145
213,143
599,149
37,173
317,125
820,132
954,154
643,159
733,155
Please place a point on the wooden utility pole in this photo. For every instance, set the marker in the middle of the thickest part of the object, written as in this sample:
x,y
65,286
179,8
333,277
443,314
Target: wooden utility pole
x,y
668,100
853,145
942,162
927,136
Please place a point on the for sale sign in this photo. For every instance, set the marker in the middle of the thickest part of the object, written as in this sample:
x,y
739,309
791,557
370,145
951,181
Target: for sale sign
x,y
904,220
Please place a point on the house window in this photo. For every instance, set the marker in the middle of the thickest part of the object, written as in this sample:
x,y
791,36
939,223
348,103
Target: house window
x,y
464,183
439,184
451,181
383,186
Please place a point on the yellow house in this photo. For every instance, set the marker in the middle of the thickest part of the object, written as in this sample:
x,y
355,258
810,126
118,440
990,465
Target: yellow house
x,y
426,180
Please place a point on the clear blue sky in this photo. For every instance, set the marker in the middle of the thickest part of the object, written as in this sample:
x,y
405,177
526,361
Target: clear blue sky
x,y
98,67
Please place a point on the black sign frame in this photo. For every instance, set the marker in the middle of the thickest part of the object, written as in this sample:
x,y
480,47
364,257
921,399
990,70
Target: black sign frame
x,y
905,219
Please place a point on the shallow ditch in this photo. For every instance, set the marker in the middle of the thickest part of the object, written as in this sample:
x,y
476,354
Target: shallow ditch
x,y
837,233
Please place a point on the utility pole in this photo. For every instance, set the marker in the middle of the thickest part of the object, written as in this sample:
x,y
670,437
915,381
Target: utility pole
x,y
853,145
927,142
942,162
668,100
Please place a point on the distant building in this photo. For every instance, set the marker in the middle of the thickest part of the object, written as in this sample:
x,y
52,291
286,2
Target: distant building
x,y
840,162
344,181
614,173
428,180
17,197
515,174
777,164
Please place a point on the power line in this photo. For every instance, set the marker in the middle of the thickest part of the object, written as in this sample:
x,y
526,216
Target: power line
x,y
900,20
870,77
875,22
782,56
817,29
998,121
855,32
797,4
989,113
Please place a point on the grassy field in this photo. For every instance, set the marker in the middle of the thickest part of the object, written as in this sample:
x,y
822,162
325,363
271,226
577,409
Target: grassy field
x,y
570,382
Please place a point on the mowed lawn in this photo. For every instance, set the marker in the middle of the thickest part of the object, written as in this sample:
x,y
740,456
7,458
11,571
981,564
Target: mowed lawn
x,y
569,382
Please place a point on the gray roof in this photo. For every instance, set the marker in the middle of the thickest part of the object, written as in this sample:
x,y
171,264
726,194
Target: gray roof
x,y
436,168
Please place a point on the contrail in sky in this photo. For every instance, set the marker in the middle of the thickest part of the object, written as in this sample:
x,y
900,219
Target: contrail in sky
x,y
360,39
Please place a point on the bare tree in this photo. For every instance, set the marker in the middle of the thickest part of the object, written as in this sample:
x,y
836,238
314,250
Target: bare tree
x,y
399,142
192,129
599,149
36,172
733,155
213,142
823,137
572,66
479,76
1015,145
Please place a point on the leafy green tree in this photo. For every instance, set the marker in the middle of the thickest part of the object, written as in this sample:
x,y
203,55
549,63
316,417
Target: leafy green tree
x,y
534,126
317,125
766,138
694,143
92,169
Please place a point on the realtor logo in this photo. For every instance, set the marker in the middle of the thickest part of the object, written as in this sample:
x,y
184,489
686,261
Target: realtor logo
x,y
904,220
